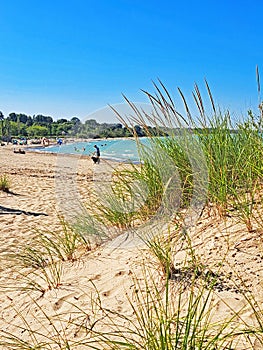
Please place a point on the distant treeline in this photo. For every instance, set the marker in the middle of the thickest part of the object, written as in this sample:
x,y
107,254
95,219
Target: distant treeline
x,y
22,125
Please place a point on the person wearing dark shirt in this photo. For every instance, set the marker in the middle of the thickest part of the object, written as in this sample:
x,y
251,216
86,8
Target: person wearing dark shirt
x,y
96,155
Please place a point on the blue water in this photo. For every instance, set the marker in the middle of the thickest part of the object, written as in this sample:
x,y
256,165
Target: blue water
x,y
117,149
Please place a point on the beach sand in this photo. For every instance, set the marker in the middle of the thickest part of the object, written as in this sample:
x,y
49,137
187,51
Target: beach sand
x,y
44,186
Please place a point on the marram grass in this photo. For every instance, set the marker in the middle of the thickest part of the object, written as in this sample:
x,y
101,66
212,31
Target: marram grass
x,y
5,183
225,170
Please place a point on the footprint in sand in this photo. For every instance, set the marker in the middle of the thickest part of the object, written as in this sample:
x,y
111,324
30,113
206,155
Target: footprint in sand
x,y
257,345
95,277
119,309
120,273
58,304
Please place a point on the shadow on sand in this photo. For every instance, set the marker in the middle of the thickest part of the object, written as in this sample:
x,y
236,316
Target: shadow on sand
x,y
4,210
12,193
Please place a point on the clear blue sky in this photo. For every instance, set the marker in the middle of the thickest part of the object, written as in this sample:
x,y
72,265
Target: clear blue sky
x,y
68,58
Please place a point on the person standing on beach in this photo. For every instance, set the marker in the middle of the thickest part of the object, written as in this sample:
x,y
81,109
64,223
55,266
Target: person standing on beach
x,y
96,156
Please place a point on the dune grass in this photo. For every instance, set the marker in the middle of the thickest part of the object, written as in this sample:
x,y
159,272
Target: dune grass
x,y
214,157
207,159
171,319
38,264
5,183
165,314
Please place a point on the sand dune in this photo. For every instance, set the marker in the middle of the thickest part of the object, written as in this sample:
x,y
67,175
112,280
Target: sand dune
x,y
103,279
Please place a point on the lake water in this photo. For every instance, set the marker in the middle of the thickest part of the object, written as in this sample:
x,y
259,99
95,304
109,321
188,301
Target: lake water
x,y
114,149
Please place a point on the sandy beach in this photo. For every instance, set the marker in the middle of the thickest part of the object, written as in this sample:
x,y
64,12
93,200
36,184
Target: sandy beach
x,y
34,197
33,205
106,274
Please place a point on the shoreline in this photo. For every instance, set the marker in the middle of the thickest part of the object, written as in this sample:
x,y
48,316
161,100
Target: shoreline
x,y
80,155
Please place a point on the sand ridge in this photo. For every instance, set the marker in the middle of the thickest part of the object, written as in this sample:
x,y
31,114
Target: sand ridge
x,y
105,275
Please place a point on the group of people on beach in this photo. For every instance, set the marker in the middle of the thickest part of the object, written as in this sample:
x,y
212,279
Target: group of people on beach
x,y
95,156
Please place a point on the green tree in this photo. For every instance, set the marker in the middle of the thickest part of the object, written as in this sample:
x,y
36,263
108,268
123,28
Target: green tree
x,y
75,120
29,121
139,131
13,128
91,124
6,127
23,118
61,121
12,117
63,128
37,130
42,119
2,122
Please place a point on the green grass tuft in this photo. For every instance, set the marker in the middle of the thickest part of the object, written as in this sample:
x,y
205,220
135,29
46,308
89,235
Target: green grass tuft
x,y
5,183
